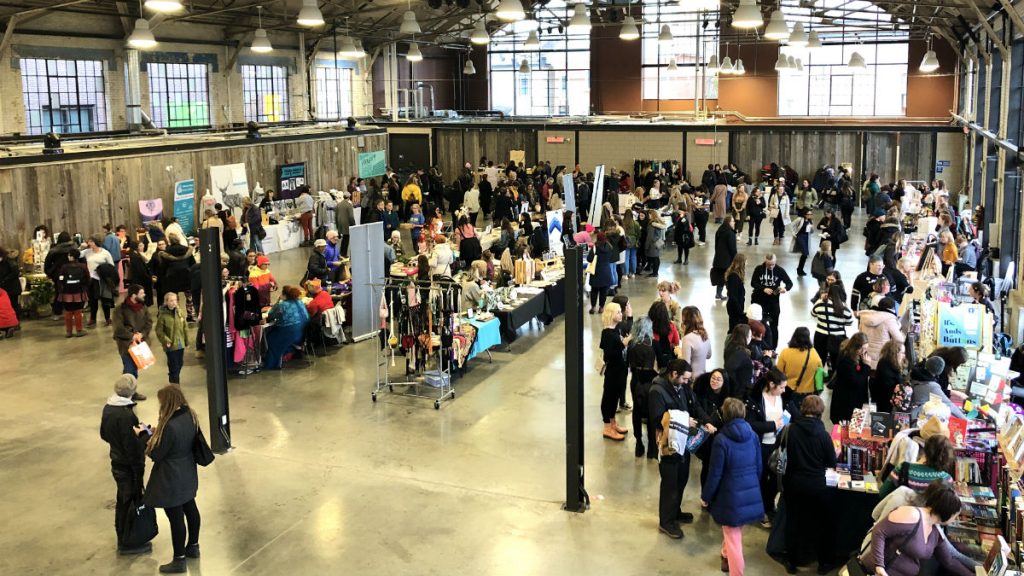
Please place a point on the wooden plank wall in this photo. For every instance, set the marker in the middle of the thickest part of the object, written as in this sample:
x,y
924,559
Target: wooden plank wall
x,y
456,146
82,196
880,155
917,156
804,151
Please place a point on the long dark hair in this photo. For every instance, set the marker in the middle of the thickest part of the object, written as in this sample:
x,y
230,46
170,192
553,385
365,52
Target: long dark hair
x,y
837,298
660,319
801,339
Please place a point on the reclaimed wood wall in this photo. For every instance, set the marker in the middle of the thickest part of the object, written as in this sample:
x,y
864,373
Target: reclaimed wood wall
x,y
80,196
456,146
804,151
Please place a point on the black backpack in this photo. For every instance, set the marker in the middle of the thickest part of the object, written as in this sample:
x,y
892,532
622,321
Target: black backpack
x,y
73,278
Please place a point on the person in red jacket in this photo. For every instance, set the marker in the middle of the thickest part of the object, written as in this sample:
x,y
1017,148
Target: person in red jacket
x,y
8,319
321,301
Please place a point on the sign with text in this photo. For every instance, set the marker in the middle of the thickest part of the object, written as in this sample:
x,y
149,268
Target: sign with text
x,y
555,140
372,164
704,141
960,325
289,178
185,204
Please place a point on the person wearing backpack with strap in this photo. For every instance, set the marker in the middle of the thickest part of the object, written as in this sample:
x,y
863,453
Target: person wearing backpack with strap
x,y
671,392
73,292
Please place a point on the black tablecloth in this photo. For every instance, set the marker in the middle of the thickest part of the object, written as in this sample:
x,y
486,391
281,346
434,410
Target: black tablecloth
x,y
511,320
554,301
852,520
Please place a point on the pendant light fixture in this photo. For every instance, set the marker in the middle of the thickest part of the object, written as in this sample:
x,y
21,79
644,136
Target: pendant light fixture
x,y
777,28
469,69
782,64
510,11
142,37
165,6
629,31
260,42
414,54
532,42
813,42
580,22
727,65
479,35
798,38
930,62
738,69
672,65
310,15
409,23
665,35
799,65
524,66
747,15
856,63
713,65
347,50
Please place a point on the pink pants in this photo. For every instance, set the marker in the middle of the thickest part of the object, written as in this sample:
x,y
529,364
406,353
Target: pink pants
x,y
732,548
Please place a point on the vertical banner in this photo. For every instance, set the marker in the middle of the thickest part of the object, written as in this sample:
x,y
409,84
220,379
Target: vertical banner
x,y
569,189
185,204
372,164
596,196
366,250
554,220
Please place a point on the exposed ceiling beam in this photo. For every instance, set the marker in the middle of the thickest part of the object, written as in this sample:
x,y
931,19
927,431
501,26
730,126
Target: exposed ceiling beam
x,y
1018,22
988,28
125,17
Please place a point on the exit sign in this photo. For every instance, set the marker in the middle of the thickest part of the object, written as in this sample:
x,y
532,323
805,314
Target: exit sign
x,y
555,139
704,141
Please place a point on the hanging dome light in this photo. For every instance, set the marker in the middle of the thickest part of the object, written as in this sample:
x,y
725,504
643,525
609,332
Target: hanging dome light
x,y
813,41
665,36
510,10
799,65
409,23
713,65
142,37
347,50
727,66
469,69
777,28
856,63
260,42
532,42
782,64
524,66
479,35
798,38
738,69
629,31
580,22
672,65
930,63
747,15
414,54
165,6
310,15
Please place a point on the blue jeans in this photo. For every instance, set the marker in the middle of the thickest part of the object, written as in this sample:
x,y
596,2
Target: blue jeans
x,y
630,260
129,365
255,243
615,274
175,360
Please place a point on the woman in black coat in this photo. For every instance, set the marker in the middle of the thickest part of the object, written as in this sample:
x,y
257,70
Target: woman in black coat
x,y
736,290
738,362
725,251
601,280
771,395
640,358
172,269
888,374
174,481
831,229
803,240
850,386
710,390
138,270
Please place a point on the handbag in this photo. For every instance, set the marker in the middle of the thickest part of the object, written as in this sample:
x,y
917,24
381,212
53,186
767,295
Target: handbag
x,y
142,355
779,458
201,452
853,566
697,438
819,379
139,524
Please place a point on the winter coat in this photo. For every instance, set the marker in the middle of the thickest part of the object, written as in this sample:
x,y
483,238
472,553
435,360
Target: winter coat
x,y
316,267
172,268
883,383
602,277
740,368
344,217
736,291
8,317
655,235
809,451
850,389
56,258
879,326
254,220
127,323
925,386
174,480
10,278
725,247
733,486
117,428
718,201
171,329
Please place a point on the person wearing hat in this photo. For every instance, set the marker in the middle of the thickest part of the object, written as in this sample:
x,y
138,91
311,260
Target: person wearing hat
x,y
127,437
316,266
321,299
924,380
264,281
344,218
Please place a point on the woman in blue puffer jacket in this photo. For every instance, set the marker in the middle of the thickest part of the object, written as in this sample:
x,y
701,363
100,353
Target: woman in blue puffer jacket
x,y
732,492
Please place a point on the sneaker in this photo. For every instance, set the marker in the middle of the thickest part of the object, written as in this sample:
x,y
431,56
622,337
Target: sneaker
x,y
673,532
685,517
144,549
625,408
176,566
138,397
192,550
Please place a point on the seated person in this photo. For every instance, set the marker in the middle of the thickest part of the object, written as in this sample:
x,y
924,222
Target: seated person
x,y
939,458
262,279
321,299
474,283
289,318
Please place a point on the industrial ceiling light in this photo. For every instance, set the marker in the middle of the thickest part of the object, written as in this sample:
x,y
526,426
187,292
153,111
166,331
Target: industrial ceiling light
x,y
532,42
782,64
580,22
348,50
672,65
777,28
665,36
727,66
469,69
510,10
713,65
856,63
142,37
165,6
629,31
479,35
414,54
747,15
813,42
791,64
799,65
798,38
738,69
260,42
310,15
524,66
409,23
930,62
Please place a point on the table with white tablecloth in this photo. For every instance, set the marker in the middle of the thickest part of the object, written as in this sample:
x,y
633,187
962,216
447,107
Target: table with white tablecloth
x,y
285,235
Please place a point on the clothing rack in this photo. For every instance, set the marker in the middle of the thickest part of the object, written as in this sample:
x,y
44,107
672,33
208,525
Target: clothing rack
x,y
251,338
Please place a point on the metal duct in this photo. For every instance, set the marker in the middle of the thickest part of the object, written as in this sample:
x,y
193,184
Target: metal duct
x,y
133,91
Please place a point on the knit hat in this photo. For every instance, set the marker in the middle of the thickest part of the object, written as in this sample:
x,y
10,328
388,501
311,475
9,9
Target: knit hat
x,y
934,427
125,385
754,312
261,260
313,285
935,365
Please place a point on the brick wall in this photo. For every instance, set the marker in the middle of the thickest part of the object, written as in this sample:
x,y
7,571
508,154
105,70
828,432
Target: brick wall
x,y
699,156
619,149
558,154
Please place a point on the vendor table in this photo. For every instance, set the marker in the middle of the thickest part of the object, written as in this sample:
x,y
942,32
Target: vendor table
x,y
284,235
488,334
853,519
512,320
554,301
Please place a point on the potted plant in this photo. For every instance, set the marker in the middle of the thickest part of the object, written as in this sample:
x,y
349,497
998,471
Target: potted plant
x,y
43,293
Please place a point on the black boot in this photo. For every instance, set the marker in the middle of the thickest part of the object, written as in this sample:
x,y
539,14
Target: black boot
x,y
639,452
176,566
192,550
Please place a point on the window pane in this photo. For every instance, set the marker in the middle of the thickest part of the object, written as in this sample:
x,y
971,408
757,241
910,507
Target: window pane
x,y
265,93
64,96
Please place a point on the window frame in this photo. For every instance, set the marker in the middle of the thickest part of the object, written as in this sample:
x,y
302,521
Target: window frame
x,y
98,113
692,41
273,82
161,72
323,92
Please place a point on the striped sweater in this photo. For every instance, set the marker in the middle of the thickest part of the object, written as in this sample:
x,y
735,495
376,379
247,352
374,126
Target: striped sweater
x,y
829,321
919,476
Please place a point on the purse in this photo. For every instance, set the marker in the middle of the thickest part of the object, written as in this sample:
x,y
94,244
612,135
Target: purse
x,y
201,451
819,379
139,524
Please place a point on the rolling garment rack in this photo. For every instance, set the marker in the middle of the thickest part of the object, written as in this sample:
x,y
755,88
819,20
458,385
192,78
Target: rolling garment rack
x,y
247,330
410,314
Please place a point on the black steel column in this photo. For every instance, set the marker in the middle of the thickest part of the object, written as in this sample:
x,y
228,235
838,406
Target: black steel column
x,y
216,344
576,499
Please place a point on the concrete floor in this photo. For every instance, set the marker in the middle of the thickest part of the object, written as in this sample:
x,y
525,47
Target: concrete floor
x,y
322,480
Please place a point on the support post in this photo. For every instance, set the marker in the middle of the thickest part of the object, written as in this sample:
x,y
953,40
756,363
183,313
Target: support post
x,y
576,498
216,345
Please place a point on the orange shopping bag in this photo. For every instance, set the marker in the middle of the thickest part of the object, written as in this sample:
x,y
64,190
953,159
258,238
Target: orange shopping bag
x,y
142,355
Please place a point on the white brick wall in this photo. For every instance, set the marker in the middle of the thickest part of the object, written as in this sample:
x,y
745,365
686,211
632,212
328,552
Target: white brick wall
x,y
950,146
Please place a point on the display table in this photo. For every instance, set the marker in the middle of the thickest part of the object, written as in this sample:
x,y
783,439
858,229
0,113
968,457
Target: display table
x,y
554,301
284,235
512,320
488,334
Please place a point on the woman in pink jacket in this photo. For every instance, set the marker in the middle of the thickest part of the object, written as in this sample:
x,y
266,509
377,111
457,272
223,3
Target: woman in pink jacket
x,y
880,325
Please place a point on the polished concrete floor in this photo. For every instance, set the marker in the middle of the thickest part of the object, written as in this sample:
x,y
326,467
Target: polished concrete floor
x,y
322,480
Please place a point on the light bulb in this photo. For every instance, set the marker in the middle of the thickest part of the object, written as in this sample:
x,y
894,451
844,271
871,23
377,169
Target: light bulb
x,y
165,6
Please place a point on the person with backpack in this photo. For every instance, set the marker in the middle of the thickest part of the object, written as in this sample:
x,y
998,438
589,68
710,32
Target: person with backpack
x,y
669,405
72,282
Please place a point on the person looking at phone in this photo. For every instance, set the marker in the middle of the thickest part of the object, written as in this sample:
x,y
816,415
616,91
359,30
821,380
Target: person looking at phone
x,y
127,437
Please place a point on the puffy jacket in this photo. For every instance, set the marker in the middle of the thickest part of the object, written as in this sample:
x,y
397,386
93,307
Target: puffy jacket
x,y
880,327
925,386
171,329
733,486
172,268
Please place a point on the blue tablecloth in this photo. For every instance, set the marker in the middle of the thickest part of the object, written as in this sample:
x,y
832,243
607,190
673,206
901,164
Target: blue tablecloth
x,y
487,334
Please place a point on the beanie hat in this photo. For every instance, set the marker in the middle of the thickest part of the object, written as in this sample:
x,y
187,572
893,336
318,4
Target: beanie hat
x,y
754,312
935,365
934,427
125,385
261,260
